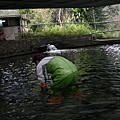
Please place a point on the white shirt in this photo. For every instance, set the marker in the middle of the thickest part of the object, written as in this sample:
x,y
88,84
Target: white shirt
x,y
41,69
51,47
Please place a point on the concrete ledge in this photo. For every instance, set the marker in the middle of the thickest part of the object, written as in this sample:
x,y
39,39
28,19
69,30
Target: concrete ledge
x,y
14,48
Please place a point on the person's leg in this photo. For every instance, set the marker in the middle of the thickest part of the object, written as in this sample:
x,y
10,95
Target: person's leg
x,y
73,85
56,98
61,87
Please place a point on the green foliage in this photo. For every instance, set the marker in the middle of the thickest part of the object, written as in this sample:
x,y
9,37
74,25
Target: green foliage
x,y
70,15
116,34
28,34
100,34
26,13
78,14
100,14
111,11
68,30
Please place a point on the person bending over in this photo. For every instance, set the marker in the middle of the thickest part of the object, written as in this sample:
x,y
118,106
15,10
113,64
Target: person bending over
x,y
64,75
51,47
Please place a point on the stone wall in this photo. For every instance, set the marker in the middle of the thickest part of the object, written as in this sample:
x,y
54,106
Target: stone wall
x,y
13,48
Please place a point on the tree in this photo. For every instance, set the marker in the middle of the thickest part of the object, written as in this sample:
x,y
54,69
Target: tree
x,y
78,14
100,14
27,13
111,11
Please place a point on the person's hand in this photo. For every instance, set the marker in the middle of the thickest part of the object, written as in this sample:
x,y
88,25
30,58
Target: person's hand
x,y
43,88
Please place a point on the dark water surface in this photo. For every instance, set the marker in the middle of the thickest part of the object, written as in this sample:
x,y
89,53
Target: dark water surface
x,y
98,97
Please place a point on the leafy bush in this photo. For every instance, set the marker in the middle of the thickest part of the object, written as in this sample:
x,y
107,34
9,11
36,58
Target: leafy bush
x,y
68,30
56,30
116,34
99,34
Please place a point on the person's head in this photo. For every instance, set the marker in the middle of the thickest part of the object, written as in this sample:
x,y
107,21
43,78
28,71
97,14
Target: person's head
x,y
48,45
38,57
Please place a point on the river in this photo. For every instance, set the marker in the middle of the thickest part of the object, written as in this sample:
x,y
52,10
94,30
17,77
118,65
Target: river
x,y
98,96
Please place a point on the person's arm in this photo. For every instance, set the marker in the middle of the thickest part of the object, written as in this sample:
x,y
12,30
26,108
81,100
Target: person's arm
x,y
43,87
42,73
42,78
43,84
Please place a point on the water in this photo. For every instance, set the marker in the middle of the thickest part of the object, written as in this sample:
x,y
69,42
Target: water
x,y
98,97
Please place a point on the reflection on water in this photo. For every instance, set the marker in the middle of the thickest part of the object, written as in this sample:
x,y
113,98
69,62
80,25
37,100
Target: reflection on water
x,y
97,98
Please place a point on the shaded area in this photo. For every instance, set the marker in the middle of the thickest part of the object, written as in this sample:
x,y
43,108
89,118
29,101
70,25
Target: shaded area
x,y
22,4
15,48
97,97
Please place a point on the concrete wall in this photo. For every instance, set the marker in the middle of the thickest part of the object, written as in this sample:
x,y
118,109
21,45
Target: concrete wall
x,y
13,48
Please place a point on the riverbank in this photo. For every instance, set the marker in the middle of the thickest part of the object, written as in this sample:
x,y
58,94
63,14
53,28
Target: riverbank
x,y
14,48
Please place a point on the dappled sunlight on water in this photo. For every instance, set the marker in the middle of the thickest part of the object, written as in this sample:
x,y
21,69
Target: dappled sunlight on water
x,y
98,95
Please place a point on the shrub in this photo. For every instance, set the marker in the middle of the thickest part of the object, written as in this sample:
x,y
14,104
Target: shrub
x,y
68,30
